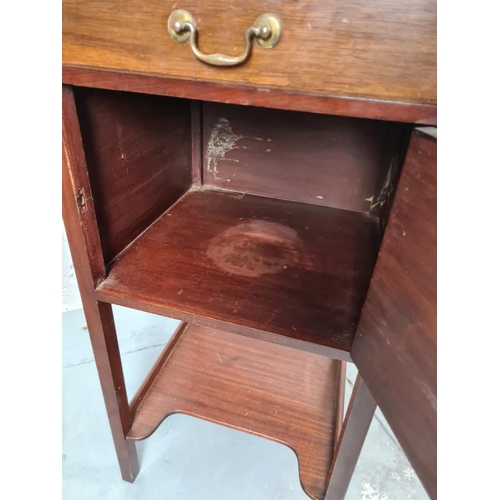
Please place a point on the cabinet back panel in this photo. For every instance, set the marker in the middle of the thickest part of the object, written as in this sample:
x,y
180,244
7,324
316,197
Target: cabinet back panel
x,y
319,159
138,152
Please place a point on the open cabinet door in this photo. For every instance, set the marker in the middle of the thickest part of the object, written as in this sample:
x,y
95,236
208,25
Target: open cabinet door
x,y
395,345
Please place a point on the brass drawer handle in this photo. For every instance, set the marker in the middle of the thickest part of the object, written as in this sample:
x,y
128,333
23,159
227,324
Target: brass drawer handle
x,y
266,30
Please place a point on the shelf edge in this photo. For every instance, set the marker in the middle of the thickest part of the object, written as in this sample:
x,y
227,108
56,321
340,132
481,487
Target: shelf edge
x,y
314,346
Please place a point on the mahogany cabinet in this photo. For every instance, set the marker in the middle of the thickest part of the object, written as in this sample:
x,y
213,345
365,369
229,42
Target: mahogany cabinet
x,y
278,198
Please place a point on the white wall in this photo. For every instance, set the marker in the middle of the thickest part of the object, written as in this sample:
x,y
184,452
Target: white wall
x,y
70,295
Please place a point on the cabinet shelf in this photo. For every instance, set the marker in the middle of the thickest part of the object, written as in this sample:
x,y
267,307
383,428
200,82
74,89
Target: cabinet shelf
x,y
282,271
273,391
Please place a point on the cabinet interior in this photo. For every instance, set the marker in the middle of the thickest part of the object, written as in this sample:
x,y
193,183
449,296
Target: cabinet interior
x,y
258,221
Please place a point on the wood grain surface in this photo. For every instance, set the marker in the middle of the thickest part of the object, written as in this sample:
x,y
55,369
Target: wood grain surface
x,y
297,270
83,239
318,159
237,94
358,418
384,50
271,391
196,142
395,345
138,151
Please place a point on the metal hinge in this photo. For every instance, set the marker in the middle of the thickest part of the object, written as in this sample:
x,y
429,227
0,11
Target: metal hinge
x,y
80,200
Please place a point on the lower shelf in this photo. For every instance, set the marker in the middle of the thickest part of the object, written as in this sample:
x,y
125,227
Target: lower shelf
x,y
273,391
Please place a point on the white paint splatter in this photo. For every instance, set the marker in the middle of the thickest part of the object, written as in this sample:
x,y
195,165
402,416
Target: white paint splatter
x,y
222,140
388,187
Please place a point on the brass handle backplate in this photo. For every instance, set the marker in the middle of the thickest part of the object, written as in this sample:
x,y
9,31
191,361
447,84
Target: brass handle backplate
x,y
266,30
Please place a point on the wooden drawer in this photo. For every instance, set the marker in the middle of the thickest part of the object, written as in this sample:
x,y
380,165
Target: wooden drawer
x,y
361,49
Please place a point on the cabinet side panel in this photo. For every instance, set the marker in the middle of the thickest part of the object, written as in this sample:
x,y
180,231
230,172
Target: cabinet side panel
x,y
318,159
81,228
138,150
395,344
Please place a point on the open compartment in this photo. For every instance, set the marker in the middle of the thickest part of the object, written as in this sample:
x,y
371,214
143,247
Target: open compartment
x,y
244,220
260,222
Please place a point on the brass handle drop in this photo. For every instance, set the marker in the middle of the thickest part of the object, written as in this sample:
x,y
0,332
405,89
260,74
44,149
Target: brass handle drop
x,y
266,30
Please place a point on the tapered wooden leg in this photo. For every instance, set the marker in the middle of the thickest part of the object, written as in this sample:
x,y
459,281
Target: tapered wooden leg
x,y
354,430
83,238
107,357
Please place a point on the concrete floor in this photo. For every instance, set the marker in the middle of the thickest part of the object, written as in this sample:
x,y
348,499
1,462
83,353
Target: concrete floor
x,y
187,458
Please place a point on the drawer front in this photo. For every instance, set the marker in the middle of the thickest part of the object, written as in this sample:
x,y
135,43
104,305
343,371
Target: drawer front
x,y
395,344
380,49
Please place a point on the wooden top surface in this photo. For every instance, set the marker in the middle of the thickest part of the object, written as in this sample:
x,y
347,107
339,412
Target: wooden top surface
x,y
273,391
361,49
